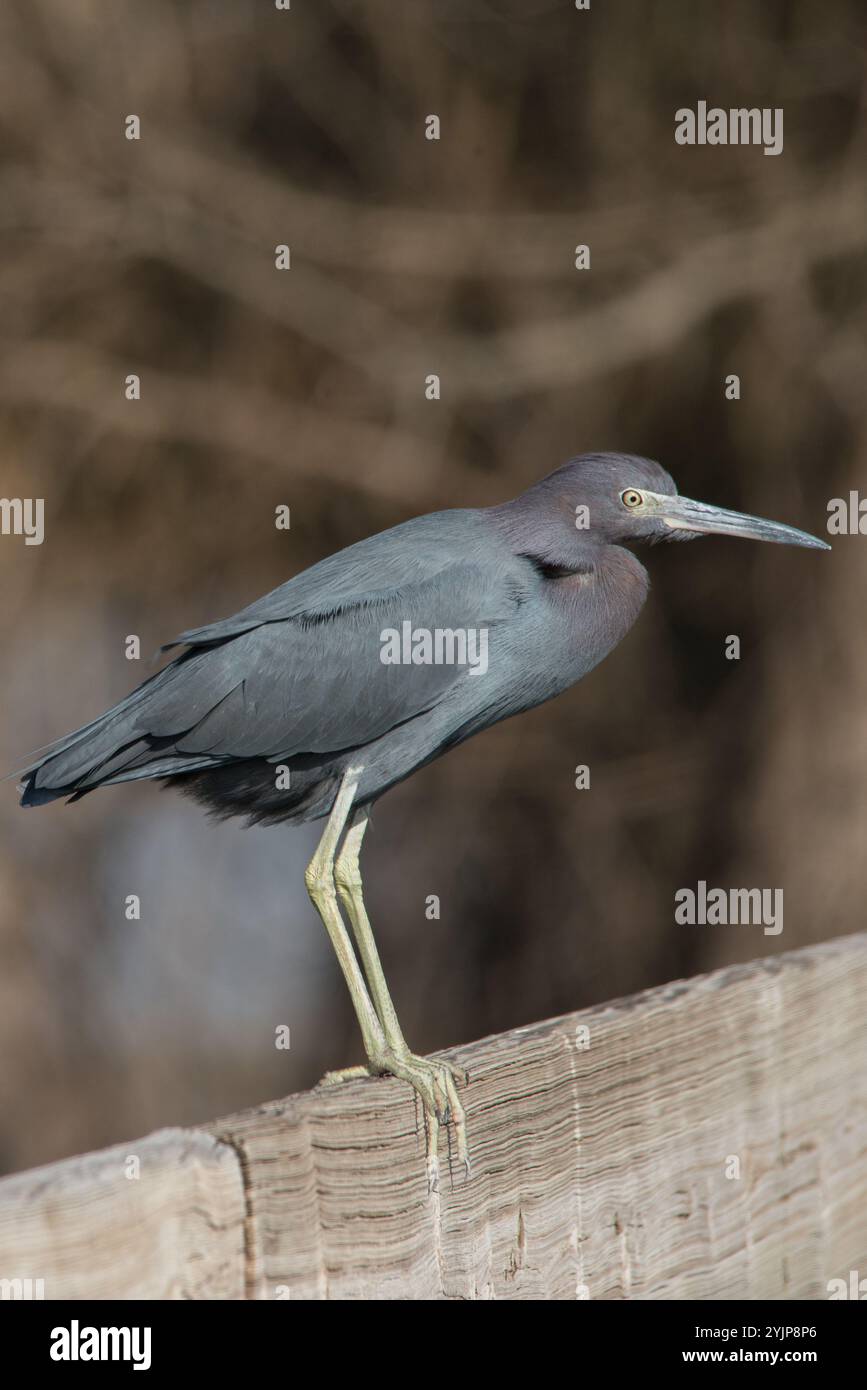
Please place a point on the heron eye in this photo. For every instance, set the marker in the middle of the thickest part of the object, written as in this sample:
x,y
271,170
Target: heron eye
x,y
631,498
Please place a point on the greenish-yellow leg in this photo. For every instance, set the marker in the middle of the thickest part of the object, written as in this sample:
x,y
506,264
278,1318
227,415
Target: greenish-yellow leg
x,y
319,877
437,1076
381,1033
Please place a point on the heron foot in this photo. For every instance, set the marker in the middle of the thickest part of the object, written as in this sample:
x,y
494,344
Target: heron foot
x,y
434,1081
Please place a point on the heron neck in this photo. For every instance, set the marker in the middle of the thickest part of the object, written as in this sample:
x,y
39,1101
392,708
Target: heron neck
x,y
545,530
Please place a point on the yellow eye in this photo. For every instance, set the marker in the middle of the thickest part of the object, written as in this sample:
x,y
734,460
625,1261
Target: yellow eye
x,y
631,498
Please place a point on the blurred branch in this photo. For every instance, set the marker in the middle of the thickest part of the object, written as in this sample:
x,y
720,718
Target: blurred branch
x,y
292,439
646,319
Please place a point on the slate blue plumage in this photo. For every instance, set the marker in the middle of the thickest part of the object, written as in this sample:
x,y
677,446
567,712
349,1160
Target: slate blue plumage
x,y
296,680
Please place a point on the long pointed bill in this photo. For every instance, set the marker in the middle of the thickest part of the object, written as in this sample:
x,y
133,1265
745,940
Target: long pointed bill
x,y
682,514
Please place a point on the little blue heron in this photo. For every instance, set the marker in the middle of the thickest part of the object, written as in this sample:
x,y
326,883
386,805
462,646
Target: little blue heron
x,y
317,698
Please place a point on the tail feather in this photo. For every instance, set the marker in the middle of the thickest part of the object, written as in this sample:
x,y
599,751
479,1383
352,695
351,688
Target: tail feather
x,y
116,747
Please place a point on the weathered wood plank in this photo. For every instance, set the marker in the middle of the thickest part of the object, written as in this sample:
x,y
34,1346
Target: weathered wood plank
x,y
87,1230
704,1140
599,1171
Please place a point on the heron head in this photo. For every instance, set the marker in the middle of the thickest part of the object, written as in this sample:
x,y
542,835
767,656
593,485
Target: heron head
x,y
627,499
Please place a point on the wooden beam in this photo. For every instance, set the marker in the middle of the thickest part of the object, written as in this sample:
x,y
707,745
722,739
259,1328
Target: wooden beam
x,y
161,1217
705,1140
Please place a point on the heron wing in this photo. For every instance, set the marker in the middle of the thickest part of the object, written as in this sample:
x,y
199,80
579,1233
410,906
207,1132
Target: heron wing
x,y
371,570
311,683
318,682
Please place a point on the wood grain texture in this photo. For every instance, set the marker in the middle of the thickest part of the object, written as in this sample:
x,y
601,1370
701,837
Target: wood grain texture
x,y
603,1147
90,1231
598,1171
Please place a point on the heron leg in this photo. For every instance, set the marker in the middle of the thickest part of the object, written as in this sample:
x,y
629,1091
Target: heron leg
x,y
319,877
433,1080
347,876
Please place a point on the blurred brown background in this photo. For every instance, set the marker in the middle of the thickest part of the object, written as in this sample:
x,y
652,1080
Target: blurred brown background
x,y
307,388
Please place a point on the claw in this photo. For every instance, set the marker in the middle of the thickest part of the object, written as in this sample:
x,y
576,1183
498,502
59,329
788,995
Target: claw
x,y
434,1084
